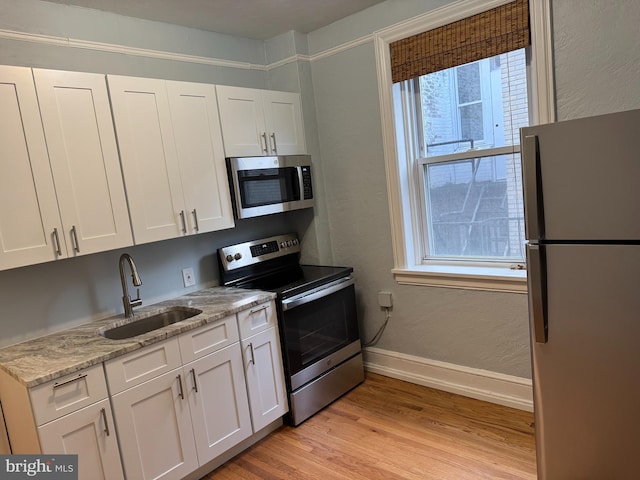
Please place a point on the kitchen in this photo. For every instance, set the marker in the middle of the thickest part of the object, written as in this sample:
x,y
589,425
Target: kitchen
x,y
595,61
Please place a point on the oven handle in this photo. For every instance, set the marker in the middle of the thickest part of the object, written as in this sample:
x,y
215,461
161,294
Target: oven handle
x,y
298,301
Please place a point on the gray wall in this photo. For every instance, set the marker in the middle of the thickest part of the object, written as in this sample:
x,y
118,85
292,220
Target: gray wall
x,y
597,62
472,328
597,56
596,66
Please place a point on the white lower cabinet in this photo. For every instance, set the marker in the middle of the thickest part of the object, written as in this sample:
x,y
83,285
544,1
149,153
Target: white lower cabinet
x,y
218,402
160,412
68,415
196,408
89,433
154,427
263,364
171,425
265,382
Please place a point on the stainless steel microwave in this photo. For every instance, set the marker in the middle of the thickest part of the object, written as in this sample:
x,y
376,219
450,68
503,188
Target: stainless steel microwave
x,y
266,185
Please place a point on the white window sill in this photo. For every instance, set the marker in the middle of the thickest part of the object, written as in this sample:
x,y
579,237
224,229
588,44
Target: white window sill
x,y
465,277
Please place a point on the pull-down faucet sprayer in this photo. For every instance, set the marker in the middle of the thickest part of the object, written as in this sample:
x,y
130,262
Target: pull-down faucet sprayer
x,y
126,300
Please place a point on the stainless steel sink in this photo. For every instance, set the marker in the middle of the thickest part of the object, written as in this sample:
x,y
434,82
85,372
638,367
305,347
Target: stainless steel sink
x,y
168,316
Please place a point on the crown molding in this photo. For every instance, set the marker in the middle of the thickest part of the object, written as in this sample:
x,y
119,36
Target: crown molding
x,y
125,50
178,57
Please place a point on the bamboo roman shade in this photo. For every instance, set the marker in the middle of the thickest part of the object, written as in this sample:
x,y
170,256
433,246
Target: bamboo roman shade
x,y
499,30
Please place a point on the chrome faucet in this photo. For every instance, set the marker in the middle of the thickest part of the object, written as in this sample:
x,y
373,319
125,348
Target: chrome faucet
x,y
126,300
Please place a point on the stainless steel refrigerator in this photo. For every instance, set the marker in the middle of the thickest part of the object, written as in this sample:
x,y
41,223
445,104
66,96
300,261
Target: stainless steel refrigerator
x,y
582,217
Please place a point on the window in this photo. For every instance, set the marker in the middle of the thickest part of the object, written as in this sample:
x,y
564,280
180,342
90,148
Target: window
x,y
452,148
469,184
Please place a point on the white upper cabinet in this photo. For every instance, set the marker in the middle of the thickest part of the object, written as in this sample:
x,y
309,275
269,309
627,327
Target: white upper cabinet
x,y
29,218
260,122
148,155
78,128
198,140
61,197
172,159
283,117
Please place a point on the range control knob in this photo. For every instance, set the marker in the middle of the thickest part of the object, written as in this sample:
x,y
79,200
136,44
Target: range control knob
x,y
295,241
289,243
237,256
283,244
229,258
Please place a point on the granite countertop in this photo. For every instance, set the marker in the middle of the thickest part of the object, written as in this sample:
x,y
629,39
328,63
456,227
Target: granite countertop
x,y
45,358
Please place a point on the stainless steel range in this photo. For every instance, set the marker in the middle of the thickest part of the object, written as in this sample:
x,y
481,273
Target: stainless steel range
x,y
316,314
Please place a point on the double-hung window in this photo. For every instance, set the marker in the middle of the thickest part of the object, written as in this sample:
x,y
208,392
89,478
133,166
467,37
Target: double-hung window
x,y
461,91
467,159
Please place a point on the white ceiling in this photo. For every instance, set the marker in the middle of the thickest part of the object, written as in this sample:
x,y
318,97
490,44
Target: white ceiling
x,y
259,19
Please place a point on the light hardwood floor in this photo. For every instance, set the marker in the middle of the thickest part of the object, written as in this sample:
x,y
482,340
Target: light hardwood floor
x,y
389,429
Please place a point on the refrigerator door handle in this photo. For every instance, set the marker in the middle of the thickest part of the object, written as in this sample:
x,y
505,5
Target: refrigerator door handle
x,y
537,292
534,209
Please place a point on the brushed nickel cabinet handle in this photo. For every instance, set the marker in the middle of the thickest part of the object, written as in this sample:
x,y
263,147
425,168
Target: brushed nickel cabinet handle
x,y
195,379
195,220
275,145
258,310
253,358
75,379
104,419
264,138
56,241
181,390
74,239
184,223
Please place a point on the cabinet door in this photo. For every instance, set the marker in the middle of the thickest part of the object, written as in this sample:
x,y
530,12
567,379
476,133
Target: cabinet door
x,y
154,428
242,118
78,127
29,218
198,139
283,117
265,378
149,162
89,433
218,402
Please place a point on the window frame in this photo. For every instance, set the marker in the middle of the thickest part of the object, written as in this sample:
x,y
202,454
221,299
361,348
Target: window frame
x,y
485,91
403,203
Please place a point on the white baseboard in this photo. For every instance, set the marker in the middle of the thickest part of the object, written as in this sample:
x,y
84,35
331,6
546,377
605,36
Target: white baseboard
x,y
507,390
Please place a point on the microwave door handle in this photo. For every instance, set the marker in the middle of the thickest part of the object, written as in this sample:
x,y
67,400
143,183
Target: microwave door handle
x,y
298,301
300,183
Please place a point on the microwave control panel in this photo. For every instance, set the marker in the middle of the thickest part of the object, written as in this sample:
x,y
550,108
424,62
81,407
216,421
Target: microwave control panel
x,y
306,183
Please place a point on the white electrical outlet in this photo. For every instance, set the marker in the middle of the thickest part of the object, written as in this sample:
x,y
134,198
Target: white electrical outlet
x,y
187,277
385,300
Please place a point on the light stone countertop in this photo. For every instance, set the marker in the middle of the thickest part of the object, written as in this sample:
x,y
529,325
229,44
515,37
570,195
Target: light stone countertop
x,y
45,358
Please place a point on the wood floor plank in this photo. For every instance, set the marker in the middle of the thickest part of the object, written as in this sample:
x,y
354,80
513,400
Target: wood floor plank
x,y
387,429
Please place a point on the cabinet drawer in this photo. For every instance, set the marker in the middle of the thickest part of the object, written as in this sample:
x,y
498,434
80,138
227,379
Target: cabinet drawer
x,y
207,339
257,319
66,394
142,365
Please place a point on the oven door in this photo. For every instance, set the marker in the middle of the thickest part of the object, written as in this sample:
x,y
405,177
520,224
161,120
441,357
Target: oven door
x,y
320,330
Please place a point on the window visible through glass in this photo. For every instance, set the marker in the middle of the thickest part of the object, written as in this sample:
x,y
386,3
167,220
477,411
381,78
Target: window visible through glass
x,y
473,201
475,208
